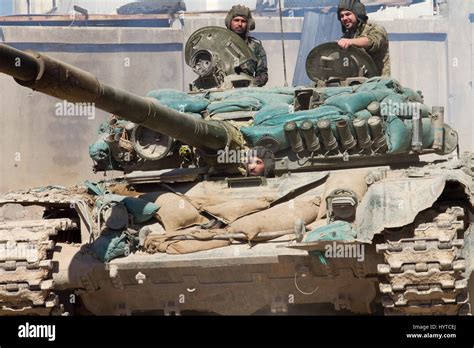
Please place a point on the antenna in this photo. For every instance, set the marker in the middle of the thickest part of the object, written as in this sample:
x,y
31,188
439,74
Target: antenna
x,y
283,43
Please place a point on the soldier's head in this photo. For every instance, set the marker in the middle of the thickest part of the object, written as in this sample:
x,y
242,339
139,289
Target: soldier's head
x,y
260,162
239,19
351,13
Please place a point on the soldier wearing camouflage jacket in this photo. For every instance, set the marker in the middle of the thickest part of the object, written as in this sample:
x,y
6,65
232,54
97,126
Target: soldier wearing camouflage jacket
x,y
240,21
373,38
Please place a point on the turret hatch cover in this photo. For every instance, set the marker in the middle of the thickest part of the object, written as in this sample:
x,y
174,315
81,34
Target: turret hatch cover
x,y
215,46
329,61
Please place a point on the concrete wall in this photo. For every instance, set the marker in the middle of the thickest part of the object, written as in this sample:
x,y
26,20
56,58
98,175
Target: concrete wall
x,y
460,72
38,148
217,5
36,6
404,12
110,6
95,7
418,54
67,6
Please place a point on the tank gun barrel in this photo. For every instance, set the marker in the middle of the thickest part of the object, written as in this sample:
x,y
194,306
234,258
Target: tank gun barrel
x,y
21,65
55,78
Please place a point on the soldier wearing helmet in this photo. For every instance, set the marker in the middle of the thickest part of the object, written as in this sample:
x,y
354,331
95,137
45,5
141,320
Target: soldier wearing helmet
x,y
240,21
358,32
260,162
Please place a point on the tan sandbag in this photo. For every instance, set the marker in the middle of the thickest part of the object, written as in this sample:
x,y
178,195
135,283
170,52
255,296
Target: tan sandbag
x,y
202,201
236,208
192,246
176,212
155,228
197,201
165,244
278,218
349,180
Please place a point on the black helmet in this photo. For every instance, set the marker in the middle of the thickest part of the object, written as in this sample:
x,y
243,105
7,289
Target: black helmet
x,y
354,6
240,11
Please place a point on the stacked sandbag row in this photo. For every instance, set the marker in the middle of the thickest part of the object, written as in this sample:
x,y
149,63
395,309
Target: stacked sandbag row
x,y
378,116
192,224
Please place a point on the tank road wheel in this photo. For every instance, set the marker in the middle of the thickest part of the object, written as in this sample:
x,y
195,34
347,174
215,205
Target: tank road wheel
x,y
425,274
26,251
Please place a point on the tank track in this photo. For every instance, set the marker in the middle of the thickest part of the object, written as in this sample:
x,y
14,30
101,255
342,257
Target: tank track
x,y
425,274
26,250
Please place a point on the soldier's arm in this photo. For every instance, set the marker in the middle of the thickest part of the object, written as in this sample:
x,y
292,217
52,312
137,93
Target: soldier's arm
x,y
377,37
362,42
261,74
372,40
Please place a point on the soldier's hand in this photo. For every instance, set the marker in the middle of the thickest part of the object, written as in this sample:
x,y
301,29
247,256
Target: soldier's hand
x,y
345,43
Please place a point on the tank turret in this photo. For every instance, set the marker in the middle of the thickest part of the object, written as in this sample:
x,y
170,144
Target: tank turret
x,y
349,119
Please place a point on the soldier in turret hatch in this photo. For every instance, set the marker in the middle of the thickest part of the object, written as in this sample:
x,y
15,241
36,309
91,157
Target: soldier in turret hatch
x,y
357,32
240,21
260,162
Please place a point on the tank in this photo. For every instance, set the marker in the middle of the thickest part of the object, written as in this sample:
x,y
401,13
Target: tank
x,y
367,207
